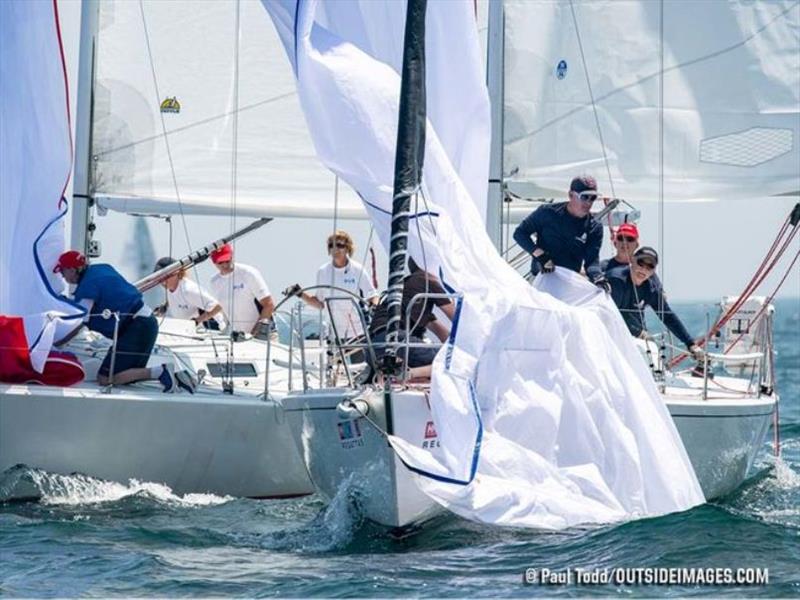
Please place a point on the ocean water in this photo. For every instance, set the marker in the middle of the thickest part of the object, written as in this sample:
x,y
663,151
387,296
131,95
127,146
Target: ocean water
x,y
93,538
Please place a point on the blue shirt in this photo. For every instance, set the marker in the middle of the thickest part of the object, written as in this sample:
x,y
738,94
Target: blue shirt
x,y
104,286
572,242
631,301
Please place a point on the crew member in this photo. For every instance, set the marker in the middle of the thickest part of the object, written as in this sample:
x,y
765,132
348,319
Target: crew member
x,y
626,241
566,234
187,300
101,289
243,294
634,286
421,319
345,273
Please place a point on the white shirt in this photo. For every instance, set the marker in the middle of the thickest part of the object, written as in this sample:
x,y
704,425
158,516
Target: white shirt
x,y
187,299
353,278
236,292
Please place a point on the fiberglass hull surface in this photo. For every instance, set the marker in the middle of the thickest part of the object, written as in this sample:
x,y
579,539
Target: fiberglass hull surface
x,y
722,438
203,443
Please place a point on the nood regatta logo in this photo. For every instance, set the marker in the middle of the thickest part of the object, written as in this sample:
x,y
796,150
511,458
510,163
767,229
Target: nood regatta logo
x,y
431,437
350,434
171,105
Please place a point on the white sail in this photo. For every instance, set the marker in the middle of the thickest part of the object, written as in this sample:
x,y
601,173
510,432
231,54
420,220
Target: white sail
x,y
727,77
187,51
545,414
35,162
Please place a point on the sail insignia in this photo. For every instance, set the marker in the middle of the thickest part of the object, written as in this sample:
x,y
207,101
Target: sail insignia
x,y
561,69
170,105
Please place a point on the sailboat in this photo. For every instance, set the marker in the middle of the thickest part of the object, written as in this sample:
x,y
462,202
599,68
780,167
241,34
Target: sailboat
x,y
231,437
722,423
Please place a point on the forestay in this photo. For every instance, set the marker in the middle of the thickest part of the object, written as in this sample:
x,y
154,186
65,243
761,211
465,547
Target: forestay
x,y
35,164
171,78
726,72
546,414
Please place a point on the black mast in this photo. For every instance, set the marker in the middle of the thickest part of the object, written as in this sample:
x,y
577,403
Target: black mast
x,y
409,157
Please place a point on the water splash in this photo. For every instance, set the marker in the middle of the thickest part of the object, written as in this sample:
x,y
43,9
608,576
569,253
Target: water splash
x,y
333,528
24,483
772,497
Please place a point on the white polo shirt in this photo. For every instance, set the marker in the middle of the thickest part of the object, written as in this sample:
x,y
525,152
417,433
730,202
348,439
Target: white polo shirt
x,y
187,299
236,292
353,278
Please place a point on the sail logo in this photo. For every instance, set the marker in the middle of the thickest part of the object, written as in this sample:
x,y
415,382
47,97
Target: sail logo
x,y
561,69
350,434
171,105
431,437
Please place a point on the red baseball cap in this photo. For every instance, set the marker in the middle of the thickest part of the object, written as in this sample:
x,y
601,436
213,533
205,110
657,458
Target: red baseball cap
x,y
222,254
71,259
628,229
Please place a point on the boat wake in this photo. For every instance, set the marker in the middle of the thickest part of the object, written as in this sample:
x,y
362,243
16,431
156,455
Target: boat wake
x,y
773,496
21,483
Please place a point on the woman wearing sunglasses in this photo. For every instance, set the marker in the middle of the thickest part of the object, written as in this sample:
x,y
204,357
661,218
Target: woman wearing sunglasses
x,y
635,286
341,271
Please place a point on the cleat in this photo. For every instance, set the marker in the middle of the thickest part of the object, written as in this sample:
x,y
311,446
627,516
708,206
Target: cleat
x,y
168,379
186,381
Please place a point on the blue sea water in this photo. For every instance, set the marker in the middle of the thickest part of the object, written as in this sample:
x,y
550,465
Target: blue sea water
x,y
92,538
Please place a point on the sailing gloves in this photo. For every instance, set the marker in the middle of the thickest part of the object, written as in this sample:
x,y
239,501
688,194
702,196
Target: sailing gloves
x,y
601,282
293,290
546,264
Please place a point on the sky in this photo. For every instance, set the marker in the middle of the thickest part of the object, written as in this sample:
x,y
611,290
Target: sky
x,y
708,249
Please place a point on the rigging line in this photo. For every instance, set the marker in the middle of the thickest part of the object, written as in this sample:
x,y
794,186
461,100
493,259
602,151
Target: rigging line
x,y
767,302
194,124
646,78
591,97
163,124
662,270
234,172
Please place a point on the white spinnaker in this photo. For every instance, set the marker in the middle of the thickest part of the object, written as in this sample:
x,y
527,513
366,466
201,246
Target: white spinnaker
x,y
571,427
192,53
35,162
731,96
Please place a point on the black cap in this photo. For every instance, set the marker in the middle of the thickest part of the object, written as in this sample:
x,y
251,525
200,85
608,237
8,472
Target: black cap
x,y
163,262
647,252
582,184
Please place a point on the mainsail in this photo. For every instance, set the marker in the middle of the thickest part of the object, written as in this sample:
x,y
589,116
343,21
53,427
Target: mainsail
x,y
195,112
702,99
35,164
546,414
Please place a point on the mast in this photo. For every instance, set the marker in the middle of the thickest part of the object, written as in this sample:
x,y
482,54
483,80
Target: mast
x,y
409,157
80,234
494,83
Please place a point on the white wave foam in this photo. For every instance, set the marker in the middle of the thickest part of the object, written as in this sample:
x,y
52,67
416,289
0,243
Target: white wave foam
x,y
73,490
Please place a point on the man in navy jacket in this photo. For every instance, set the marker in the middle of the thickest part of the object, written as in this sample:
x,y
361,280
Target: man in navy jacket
x,y
566,234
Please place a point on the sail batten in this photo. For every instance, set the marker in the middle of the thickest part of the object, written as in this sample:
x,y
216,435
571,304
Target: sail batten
x,y
727,99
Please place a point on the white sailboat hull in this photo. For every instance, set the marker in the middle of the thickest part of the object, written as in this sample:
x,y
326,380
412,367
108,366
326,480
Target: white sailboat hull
x,y
722,438
237,445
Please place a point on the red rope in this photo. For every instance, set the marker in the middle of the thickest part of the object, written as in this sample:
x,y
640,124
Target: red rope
x,y
767,264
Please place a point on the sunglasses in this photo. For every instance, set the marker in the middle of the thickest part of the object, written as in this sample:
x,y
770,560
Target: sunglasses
x,y
646,264
625,238
587,196
338,245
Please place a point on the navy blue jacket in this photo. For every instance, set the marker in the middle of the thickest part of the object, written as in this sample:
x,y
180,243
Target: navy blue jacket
x,y
108,290
571,242
631,301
